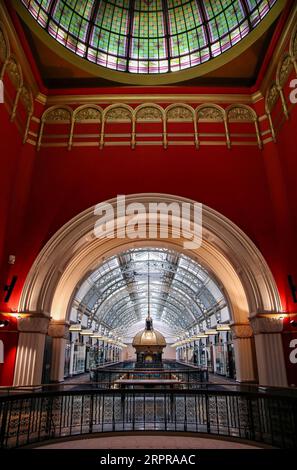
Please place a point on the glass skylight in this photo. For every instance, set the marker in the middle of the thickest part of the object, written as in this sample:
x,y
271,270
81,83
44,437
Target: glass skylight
x,y
148,36
116,295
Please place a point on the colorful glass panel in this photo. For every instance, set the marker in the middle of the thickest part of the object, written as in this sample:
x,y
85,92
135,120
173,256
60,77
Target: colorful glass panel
x,y
148,36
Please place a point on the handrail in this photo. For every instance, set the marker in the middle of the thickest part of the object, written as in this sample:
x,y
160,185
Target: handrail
x,y
110,391
244,387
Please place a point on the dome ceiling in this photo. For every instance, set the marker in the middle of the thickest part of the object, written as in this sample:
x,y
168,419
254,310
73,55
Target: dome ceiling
x,y
148,36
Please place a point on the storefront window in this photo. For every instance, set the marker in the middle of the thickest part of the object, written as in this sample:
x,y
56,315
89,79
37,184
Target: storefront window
x,y
79,358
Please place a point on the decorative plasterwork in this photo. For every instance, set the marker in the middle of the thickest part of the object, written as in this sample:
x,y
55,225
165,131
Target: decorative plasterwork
x,y
58,329
88,113
10,66
284,70
242,331
266,325
150,113
33,324
4,47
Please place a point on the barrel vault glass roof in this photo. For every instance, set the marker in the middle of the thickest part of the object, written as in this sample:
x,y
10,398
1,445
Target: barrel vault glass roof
x,y
115,296
148,36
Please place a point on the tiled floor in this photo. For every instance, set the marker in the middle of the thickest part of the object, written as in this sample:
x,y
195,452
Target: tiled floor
x,y
147,442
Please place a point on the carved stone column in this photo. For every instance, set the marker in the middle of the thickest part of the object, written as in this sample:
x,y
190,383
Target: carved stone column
x,y
243,348
269,350
30,352
59,331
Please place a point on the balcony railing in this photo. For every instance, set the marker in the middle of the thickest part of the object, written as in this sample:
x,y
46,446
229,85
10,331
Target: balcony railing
x,y
32,418
178,377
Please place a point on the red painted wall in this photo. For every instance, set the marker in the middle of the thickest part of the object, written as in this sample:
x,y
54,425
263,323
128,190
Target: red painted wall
x,y
17,162
40,191
65,183
9,342
46,189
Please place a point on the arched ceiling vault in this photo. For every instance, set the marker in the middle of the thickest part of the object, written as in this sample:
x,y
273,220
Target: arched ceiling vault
x,y
177,291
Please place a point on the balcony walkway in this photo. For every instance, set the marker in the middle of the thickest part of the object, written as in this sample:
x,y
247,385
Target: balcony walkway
x,y
148,442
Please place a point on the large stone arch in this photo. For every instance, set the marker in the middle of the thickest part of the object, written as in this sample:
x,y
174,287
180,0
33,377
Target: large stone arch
x,y
226,251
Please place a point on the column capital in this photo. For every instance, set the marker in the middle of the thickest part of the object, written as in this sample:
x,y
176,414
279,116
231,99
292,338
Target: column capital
x,y
34,324
266,325
241,330
58,329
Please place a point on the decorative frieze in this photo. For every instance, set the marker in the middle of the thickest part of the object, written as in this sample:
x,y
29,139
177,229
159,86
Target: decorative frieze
x,y
210,113
180,113
88,114
241,113
118,114
149,113
57,115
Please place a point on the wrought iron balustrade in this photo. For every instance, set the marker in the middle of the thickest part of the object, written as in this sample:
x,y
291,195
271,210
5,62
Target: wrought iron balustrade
x,y
184,377
269,418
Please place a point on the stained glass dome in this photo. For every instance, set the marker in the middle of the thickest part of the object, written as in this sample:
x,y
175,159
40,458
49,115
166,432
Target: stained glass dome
x,y
148,36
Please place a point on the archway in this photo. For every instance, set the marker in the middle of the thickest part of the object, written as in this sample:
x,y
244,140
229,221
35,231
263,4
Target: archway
x,y
225,251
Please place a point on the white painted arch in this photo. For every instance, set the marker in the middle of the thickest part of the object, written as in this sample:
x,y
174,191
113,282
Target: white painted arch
x,y
226,252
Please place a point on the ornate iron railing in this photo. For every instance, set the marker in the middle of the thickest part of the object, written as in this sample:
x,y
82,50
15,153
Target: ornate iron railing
x,y
31,418
184,377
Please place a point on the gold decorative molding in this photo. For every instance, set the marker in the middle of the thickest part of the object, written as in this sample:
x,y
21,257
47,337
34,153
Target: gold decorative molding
x,y
118,113
4,49
15,74
12,67
27,100
293,42
15,45
243,113
56,115
287,33
148,113
284,70
88,113
180,112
